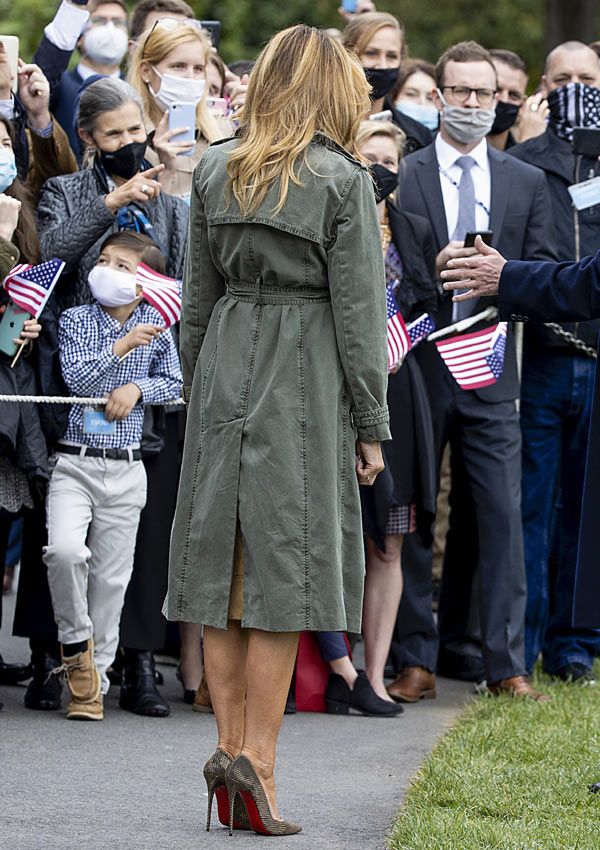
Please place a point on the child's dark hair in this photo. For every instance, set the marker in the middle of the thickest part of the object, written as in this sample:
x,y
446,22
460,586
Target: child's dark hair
x,y
147,250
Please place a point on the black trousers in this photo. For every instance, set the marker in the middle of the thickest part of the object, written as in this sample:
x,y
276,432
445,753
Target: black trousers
x,y
487,439
34,615
143,626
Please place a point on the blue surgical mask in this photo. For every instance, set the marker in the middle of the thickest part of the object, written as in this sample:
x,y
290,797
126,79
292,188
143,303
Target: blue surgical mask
x,y
8,169
426,115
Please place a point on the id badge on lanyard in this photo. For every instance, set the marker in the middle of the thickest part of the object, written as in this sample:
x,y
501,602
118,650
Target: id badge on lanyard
x,y
586,194
95,422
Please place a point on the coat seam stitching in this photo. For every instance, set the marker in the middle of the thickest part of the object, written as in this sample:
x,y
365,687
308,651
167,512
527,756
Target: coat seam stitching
x,y
305,517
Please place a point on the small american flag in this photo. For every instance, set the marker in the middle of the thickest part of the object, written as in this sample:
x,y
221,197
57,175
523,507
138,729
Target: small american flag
x,y
420,329
398,340
29,287
476,360
164,293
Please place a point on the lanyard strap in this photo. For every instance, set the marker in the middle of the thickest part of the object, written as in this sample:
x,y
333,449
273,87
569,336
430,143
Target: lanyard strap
x,y
457,186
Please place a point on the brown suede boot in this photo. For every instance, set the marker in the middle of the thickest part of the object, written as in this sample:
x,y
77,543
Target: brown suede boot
x,y
83,681
202,701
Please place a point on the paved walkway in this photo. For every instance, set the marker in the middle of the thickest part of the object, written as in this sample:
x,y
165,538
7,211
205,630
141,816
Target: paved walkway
x,y
131,783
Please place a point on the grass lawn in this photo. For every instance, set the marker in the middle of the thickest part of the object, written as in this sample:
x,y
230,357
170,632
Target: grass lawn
x,y
511,775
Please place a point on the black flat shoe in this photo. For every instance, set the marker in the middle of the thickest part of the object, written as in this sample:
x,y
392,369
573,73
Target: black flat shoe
x,y
12,674
188,694
362,699
139,693
44,691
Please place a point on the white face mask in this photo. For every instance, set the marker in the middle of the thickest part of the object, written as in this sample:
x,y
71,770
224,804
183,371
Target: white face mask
x,y
112,288
174,89
105,44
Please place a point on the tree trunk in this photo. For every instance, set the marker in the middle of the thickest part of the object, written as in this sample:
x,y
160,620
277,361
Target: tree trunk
x,y
570,20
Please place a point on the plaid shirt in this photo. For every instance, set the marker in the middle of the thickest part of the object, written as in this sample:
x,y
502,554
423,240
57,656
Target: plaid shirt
x,y
87,335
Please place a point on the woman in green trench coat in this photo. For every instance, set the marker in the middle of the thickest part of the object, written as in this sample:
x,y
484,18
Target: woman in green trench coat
x,y
283,347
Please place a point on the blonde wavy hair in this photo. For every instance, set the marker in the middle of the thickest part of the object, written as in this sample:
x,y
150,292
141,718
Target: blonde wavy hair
x,y
155,45
303,82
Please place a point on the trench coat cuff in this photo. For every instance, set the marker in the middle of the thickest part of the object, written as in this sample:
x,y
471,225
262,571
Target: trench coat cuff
x,y
186,392
372,425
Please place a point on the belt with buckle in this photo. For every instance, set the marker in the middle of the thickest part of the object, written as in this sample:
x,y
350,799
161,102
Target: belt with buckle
x,y
106,454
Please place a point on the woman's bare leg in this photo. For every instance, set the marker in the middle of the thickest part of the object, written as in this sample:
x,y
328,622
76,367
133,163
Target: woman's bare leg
x,y
190,662
269,667
225,665
383,591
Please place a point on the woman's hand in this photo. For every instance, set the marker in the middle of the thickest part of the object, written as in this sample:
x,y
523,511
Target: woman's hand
x,y
166,146
31,330
10,210
369,462
34,93
139,190
533,117
5,75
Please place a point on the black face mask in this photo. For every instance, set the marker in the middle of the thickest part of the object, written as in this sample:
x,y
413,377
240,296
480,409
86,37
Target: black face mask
x,y
126,161
386,181
506,115
382,80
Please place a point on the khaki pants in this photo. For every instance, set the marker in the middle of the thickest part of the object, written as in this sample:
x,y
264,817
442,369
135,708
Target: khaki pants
x,y
93,512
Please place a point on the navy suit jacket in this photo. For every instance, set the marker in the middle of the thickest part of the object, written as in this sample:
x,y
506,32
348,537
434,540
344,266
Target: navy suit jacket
x,y
559,292
520,219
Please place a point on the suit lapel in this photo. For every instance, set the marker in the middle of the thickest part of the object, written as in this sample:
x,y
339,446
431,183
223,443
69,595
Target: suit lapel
x,y
499,191
428,176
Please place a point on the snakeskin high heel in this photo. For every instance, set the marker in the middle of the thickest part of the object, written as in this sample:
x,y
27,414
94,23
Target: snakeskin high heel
x,y
214,773
242,782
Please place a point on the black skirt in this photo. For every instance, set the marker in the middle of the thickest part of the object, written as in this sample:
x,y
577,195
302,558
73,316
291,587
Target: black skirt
x,y
410,466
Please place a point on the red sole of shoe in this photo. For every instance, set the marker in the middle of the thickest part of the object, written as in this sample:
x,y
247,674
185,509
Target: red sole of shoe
x,y
255,818
223,807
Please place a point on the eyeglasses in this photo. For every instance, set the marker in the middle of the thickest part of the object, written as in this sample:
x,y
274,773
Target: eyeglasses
x,y
173,24
100,20
461,94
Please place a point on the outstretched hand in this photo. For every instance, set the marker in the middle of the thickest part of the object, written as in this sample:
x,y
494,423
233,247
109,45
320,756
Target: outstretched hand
x,y
479,275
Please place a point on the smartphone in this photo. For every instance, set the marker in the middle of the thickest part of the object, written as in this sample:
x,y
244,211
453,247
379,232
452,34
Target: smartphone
x,y
349,6
218,105
586,142
11,324
213,28
183,114
11,48
486,235
386,115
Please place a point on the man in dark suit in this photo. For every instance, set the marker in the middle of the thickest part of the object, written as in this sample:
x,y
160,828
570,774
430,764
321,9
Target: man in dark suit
x,y
549,292
98,28
461,185
558,383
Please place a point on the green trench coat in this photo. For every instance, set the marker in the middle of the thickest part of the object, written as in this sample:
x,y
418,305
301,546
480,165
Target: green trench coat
x,y
283,347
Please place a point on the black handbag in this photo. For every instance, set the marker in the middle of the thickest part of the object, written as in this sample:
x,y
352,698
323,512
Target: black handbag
x,y
153,430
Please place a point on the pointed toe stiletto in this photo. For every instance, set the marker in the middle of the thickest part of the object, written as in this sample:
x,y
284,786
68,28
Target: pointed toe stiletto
x,y
242,782
214,773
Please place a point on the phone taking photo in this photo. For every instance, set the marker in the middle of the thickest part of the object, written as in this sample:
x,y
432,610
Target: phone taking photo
x,y
182,116
349,6
12,324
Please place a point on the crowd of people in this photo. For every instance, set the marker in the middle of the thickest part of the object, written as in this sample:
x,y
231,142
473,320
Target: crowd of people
x,y
94,171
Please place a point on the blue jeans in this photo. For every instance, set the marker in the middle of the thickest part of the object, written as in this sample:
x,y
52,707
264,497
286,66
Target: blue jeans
x,y
556,400
332,645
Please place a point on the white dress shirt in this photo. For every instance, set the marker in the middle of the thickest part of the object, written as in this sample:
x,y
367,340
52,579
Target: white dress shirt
x,y
450,175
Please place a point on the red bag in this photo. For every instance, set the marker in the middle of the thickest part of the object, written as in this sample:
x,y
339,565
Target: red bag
x,y
312,674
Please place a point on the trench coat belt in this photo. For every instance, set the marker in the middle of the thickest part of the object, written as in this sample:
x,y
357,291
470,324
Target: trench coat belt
x,y
253,291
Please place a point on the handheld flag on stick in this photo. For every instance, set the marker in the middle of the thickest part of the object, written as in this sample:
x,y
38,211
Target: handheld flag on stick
x,y
420,329
398,340
29,287
164,293
476,360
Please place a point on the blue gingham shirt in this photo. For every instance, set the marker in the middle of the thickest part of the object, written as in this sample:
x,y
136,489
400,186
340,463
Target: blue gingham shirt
x,y
86,336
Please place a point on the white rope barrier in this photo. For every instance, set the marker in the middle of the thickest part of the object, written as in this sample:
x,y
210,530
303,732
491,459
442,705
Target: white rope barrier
x,y
464,324
59,399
